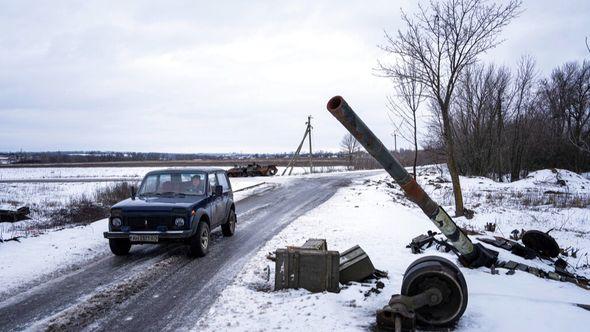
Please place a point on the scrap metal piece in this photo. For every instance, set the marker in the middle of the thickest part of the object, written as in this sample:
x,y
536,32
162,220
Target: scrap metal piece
x,y
419,242
524,252
473,256
535,271
494,271
512,246
355,265
543,243
510,265
15,215
498,242
396,317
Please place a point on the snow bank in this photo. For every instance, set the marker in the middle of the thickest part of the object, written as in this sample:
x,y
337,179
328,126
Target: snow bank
x,y
374,216
34,257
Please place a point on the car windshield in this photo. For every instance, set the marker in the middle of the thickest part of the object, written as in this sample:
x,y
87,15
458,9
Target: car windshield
x,y
159,184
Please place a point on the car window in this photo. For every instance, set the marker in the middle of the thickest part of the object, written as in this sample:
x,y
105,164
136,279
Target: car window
x,y
165,183
190,183
150,184
212,182
223,181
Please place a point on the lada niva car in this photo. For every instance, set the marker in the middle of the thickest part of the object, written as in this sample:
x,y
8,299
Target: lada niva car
x,y
182,205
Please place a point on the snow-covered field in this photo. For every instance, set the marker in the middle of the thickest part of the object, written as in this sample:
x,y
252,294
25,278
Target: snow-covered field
x,y
44,197
134,173
375,216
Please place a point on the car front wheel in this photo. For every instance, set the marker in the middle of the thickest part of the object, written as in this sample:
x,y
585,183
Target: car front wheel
x,y
199,244
229,228
120,247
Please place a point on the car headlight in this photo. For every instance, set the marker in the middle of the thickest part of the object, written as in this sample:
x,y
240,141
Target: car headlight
x,y
179,222
116,222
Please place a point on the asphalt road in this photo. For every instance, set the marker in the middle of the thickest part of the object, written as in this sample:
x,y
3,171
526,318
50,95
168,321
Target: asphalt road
x,y
177,297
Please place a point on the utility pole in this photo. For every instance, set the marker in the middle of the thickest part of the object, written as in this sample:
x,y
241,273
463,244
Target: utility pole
x,y
309,128
394,134
298,151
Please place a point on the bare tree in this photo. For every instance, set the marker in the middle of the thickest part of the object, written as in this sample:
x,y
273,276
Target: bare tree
x,y
479,112
410,94
566,95
519,131
350,147
443,38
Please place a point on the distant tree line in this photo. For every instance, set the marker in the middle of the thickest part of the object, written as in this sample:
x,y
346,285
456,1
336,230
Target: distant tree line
x,y
51,157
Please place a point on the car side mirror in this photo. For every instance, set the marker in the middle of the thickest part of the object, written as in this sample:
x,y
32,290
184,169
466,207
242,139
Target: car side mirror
x,y
218,190
133,193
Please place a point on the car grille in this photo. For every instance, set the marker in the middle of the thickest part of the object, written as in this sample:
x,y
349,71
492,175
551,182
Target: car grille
x,y
149,223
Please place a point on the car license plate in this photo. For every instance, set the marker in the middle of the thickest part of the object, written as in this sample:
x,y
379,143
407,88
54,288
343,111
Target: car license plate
x,y
143,238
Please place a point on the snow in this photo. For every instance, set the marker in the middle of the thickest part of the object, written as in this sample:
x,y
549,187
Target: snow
x,y
376,217
34,257
135,173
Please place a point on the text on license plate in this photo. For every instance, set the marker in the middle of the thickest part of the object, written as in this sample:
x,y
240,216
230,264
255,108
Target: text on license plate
x,y
143,238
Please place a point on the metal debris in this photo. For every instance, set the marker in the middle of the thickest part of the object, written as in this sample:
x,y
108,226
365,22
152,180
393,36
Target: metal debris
x,y
543,243
512,246
252,170
433,295
15,215
355,265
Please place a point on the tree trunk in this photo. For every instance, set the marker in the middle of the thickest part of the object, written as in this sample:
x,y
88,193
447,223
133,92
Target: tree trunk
x,y
415,144
451,162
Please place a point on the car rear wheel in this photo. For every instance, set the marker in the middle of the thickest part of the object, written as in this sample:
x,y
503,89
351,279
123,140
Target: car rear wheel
x,y
120,247
229,228
199,245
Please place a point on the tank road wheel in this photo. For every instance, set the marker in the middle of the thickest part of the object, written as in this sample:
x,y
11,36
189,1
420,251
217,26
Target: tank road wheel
x,y
199,243
120,247
440,273
229,228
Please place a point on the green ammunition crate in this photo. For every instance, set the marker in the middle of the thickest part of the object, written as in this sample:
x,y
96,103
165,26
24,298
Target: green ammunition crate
x,y
311,269
355,265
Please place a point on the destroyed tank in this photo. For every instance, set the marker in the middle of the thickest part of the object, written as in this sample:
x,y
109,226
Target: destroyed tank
x,y
252,170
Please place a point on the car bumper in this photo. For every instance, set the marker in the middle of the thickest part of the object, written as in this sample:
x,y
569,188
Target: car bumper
x,y
161,235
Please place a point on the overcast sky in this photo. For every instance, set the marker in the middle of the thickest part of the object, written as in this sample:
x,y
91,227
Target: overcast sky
x,y
218,76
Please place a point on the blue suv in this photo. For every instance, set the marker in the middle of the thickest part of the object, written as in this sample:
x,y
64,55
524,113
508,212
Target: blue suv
x,y
182,205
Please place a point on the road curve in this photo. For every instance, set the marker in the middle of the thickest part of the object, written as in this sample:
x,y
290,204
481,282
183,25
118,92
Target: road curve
x,y
177,297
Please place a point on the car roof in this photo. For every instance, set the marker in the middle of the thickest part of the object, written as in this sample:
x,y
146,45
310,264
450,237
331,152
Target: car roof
x,y
187,170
